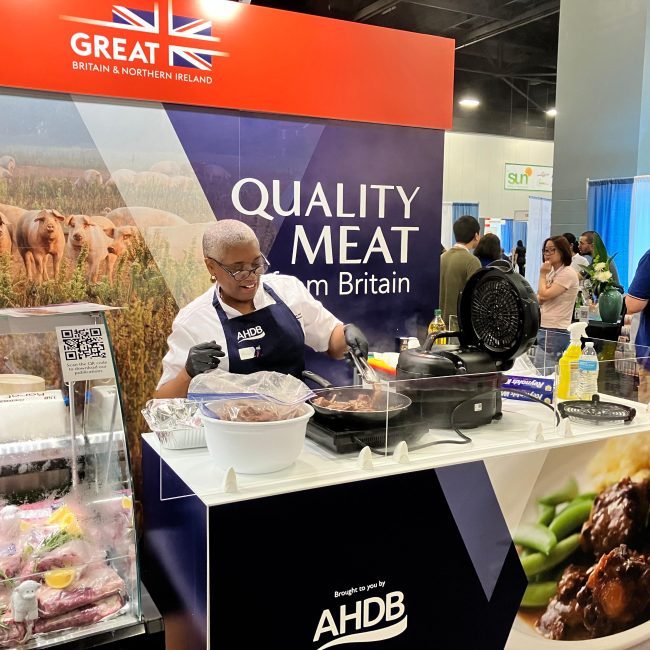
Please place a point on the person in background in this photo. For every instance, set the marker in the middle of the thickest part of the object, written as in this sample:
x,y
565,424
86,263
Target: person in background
x,y
558,284
519,257
249,321
488,249
577,260
636,302
556,293
586,246
457,264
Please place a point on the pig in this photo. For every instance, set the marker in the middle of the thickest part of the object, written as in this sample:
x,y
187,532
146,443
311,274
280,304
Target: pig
x,y
84,231
8,163
39,234
5,173
123,238
147,179
144,217
6,235
12,212
90,178
177,241
168,167
183,182
121,177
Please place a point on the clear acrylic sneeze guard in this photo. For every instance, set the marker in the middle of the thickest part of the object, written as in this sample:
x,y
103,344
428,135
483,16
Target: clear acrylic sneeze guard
x,y
68,559
452,419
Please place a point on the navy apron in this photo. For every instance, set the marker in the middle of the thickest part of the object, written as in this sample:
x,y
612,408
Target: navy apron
x,y
270,338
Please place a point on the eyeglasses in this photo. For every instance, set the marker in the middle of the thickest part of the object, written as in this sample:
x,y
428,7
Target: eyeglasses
x,y
244,274
550,251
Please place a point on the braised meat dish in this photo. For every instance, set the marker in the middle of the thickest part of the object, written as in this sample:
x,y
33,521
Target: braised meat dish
x,y
619,516
610,590
563,618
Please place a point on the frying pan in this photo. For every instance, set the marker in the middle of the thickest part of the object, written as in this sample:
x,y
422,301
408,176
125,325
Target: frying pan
x,y
397,403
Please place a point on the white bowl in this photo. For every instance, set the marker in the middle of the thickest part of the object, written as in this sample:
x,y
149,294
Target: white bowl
x,y
256,447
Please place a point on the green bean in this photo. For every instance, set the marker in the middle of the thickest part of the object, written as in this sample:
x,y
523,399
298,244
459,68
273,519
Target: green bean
x,y
572,517
535,536
545,513
566,493
538,562
538,594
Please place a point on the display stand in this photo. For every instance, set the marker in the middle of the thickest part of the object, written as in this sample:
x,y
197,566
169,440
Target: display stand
x,y
413,548
66,523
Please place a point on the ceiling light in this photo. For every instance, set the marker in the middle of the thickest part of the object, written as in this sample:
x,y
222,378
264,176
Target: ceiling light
x,y
551,112
220,9
469,102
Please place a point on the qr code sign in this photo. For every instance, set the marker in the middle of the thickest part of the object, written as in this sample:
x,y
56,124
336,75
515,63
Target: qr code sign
x,y
83,343
84,352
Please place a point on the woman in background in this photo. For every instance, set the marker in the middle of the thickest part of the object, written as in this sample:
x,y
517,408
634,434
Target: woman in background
x,y
556,293
519,257
488,249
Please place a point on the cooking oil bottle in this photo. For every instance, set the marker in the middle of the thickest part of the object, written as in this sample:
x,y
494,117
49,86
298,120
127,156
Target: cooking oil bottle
x,y
437,325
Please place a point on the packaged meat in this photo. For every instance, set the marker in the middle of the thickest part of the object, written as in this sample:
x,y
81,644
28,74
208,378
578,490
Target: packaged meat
x,y
96,582
83,616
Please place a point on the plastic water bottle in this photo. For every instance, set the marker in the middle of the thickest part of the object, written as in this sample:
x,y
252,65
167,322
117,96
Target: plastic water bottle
x,y
588,372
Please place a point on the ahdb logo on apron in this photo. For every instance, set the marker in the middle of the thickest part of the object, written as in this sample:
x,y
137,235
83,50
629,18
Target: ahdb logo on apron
x,y
251,334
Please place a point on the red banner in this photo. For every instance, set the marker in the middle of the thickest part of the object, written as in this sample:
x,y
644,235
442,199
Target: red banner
x,y
229,55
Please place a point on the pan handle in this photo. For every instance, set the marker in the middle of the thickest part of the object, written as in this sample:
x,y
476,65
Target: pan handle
x,y
317,379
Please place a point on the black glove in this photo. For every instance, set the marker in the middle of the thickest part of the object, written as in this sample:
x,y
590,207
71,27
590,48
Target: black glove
x,y
356,340
203,357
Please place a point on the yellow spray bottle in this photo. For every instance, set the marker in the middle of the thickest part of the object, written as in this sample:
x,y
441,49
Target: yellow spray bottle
x,y
567,385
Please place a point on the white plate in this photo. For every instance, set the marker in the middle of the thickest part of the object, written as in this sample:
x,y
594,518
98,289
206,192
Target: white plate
x,y
561,464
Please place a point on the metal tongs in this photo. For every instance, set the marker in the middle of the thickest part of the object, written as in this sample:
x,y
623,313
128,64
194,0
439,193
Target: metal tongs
x,y
365,371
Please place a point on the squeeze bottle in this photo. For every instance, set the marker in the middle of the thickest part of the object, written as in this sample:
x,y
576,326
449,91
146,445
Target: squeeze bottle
x,y
567,386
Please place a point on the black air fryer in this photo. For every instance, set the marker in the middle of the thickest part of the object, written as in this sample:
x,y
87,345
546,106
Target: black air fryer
x,y
498,319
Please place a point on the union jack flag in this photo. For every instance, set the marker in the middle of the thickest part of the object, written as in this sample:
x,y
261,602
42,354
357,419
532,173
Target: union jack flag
x,y
185,27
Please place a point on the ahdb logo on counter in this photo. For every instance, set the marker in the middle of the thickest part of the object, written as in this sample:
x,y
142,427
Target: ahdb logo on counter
x,y
372,619
137,42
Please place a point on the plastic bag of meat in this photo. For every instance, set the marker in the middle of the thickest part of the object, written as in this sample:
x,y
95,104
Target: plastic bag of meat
x,y
258,397
97,581
73,553
82,616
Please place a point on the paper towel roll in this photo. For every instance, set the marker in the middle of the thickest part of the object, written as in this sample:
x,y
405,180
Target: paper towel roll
x,y
12,383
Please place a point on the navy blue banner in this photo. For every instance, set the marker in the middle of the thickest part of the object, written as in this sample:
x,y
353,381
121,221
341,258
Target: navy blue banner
x,y
353,210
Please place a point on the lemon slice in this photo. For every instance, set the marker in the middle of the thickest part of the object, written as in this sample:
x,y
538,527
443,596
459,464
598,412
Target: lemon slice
x,y
58,515
127,503
59,578
70,524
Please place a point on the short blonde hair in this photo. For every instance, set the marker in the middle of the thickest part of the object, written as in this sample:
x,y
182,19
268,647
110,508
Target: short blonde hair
x,y
224,234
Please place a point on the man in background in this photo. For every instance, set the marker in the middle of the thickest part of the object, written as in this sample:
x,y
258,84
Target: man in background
x,y
577,260
457,264
586,246
636,301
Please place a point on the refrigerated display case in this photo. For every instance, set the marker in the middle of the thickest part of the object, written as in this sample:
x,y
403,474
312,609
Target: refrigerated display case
x,y
68,553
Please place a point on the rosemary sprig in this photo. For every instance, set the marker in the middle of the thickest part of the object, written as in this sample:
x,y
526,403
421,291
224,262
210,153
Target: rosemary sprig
x,y
54,541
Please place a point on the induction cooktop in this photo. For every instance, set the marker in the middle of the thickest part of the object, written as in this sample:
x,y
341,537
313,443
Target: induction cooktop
x,y
344,439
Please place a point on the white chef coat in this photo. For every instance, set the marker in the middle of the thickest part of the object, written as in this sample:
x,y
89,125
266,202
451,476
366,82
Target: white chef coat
x,y
198,322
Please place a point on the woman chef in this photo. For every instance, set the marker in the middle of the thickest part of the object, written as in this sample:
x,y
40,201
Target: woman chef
x,y
249,321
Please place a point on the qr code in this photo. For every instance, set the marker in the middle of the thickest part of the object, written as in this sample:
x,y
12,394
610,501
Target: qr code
x,y
83,344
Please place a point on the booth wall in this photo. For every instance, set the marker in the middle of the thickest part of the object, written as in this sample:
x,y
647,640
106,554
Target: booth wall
x,y
474,171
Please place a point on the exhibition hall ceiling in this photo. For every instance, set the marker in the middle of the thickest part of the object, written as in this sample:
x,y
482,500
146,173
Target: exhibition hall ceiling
x,y
506,53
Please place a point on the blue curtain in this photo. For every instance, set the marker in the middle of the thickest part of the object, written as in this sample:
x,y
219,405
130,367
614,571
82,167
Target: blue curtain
x,y
609,205
507,231
461,209
520,231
